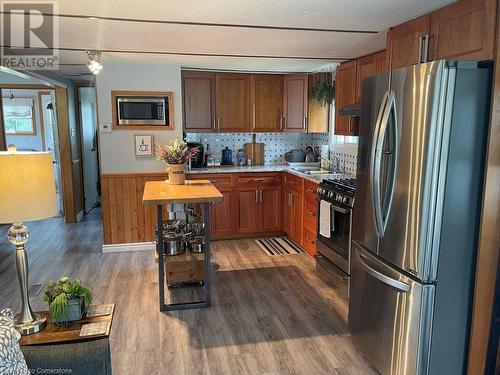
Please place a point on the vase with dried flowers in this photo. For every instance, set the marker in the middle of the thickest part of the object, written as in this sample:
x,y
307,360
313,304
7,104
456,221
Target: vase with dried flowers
x,y
176,154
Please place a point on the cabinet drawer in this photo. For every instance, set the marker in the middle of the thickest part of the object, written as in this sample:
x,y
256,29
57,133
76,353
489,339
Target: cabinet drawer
x,y
309,242
258,179
293,182
310,217
310,189
219,180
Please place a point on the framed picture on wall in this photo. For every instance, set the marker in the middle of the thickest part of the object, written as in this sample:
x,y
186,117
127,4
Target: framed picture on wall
x,y
144,145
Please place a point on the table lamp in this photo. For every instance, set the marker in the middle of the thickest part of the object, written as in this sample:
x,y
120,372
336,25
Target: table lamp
x,y
27,192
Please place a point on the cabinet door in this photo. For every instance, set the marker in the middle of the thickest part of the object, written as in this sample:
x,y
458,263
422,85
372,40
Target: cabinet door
x,y
463,30
198,93
318,120
287,212
232,102
368,66
267,100
248,209
295,99
270,206
222,214
296,230
404,42
345,84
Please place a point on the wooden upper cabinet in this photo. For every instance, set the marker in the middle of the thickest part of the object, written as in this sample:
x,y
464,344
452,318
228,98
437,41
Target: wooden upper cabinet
x,y
233,102
198,104
345,92
463,30
404,42
318,114
295,100
267,102
367,66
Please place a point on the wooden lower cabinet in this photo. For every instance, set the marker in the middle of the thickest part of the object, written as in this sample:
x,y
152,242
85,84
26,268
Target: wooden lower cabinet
x,y
248,209
310,217
259,209
221,214
270,206
292,215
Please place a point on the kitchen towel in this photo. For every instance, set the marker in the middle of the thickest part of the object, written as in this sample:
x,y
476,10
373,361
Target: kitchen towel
x,y
325,219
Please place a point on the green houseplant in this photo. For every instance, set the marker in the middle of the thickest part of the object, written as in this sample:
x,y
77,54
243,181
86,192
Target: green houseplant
x,y
67,299
176,155
323,91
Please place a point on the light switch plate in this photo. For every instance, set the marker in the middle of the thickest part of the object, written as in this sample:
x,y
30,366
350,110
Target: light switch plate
x,y
105,128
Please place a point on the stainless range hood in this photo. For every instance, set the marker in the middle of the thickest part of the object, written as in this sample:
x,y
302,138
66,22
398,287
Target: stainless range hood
x,y
352,110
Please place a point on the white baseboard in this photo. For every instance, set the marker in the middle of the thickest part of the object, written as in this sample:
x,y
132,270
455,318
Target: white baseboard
x,y
123,247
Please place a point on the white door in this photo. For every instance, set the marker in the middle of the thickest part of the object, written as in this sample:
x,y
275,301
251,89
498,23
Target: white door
x,y
88,120
52,141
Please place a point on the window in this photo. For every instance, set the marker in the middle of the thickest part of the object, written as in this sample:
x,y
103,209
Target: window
x,y
18,117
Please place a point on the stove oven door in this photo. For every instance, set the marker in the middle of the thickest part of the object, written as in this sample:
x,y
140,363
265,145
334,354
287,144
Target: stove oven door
x,y
337,248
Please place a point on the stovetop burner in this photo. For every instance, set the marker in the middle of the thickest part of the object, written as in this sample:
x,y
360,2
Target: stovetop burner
x,y
345,185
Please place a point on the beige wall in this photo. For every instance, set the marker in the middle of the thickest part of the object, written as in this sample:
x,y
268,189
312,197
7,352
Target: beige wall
x,y
117,147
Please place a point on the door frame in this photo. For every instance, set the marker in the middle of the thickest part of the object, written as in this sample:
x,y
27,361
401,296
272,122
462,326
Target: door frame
x,y
64,132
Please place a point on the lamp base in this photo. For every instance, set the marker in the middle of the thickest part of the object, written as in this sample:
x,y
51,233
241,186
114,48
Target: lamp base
x,y
29,328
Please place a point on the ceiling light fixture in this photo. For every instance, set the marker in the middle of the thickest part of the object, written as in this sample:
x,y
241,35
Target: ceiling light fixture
x,y
94,64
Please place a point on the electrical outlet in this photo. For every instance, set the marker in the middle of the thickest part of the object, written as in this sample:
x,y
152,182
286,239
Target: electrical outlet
x,y
105,128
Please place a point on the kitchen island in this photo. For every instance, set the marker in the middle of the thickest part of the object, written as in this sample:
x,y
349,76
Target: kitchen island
x,y
159,194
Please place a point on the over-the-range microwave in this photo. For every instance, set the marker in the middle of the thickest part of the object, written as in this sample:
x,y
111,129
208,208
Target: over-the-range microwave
x,y
143,110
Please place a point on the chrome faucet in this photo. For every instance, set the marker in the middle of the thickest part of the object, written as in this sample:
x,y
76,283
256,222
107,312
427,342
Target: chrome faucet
x,y
335,164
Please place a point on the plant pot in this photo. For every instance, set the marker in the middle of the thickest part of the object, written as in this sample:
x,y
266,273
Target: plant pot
x,y
76,308
176,174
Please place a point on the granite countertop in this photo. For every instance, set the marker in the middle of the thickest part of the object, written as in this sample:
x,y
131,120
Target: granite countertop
x,y
269,168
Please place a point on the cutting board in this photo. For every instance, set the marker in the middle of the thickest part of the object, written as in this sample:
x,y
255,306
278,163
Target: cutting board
x,y
255,152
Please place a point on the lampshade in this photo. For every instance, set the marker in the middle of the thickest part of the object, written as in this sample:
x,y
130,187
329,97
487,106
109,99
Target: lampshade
x,y
27,187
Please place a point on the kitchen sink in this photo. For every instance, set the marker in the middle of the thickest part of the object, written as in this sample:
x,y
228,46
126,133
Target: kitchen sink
x,y
312,170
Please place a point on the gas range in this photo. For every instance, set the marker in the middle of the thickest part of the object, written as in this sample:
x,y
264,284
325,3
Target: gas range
x,y
339,191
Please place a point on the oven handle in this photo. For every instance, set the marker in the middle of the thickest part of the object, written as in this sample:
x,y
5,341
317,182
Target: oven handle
x,y
340,209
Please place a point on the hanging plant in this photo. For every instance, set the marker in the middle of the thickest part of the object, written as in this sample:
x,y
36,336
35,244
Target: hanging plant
x,y
323,92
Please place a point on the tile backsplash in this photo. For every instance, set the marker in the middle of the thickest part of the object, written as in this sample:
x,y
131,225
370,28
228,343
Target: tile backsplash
x,y
276,144
347,154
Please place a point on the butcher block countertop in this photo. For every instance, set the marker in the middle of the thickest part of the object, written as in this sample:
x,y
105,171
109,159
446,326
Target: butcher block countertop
x,y
196,191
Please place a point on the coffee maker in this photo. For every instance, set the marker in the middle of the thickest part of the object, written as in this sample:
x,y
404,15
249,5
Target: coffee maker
x,y
198,160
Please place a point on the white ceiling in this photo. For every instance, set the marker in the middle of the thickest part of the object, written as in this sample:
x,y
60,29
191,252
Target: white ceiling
x,y
302,50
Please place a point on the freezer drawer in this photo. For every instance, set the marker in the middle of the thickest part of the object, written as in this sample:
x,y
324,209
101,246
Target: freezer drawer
x,y
390,315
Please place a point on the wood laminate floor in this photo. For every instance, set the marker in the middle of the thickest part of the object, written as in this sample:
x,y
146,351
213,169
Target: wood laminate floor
x,y
270,315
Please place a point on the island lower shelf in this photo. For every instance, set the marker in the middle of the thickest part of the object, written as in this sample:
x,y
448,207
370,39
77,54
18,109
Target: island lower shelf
x,y
184,268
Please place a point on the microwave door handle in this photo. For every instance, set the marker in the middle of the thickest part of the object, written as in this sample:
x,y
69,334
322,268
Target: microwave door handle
x,y
396,284
391,108
375,166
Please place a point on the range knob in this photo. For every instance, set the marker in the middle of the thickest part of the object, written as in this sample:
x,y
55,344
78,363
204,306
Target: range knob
x,y
331,194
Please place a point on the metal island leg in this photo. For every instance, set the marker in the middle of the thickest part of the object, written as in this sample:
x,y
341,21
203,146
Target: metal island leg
x,y
161,266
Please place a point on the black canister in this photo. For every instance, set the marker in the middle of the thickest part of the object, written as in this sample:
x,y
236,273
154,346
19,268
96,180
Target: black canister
x,y
227,156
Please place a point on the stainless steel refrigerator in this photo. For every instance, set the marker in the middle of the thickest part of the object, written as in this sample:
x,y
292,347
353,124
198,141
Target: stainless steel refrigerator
x,y
421,154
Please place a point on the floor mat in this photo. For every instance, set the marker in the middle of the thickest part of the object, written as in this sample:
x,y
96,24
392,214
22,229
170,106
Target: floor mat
x,y
278,246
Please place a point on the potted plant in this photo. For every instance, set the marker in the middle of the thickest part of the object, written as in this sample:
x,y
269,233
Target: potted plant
x,y
175,154
323,91
67,299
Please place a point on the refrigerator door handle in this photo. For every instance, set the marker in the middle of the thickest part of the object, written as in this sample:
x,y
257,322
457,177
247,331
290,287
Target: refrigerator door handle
x,y
381,219
374,173
396,284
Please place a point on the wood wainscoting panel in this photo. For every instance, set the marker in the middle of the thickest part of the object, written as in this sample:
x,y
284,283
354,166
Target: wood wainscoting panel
x,y
124,216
